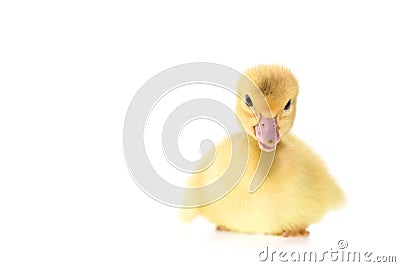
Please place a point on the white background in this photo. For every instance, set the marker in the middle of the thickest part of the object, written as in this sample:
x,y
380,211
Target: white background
x,y
69,69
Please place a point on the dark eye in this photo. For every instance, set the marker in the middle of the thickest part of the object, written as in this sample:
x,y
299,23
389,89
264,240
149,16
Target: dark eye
x,y
288,105
248,101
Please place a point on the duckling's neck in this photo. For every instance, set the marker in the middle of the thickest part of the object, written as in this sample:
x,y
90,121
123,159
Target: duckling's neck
x,y
253,146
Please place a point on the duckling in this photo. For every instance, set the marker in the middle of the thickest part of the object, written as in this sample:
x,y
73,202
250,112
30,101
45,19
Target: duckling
x,y
298,189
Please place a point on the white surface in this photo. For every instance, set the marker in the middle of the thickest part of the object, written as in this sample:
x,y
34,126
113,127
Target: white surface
x,y
68,71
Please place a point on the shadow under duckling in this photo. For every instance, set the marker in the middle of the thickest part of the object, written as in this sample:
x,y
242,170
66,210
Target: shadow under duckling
x,y
298,189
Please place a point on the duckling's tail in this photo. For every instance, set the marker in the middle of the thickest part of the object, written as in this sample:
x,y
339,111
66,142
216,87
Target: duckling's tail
x,y
340,199
337,197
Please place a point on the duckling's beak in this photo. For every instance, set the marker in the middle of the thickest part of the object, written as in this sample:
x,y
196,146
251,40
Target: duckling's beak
x,y
267,134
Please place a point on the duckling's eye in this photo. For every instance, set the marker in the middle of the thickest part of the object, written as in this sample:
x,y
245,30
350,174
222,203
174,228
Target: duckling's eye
x,y
248,101
288,105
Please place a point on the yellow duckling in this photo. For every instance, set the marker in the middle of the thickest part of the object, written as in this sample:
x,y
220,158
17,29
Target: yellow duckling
x,y
297,191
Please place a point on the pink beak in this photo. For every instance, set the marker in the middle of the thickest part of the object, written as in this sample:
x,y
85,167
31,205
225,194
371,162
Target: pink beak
x,y
267,134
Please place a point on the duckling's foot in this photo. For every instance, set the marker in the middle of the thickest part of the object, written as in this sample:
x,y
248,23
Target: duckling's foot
x,y
222,228
302,232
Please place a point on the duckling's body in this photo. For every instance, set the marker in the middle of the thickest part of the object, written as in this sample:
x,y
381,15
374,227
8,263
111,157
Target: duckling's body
x,y
297,191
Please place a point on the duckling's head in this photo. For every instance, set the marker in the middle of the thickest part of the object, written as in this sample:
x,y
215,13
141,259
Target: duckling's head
x,y
267,104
